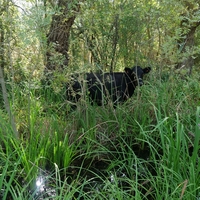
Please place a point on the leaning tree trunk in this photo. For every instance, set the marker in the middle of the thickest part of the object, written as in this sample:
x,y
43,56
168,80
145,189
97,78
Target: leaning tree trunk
x,y
58,36
187,39
2,81
188,44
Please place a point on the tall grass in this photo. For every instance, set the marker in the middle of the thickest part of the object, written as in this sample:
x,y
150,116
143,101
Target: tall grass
x,y
147,148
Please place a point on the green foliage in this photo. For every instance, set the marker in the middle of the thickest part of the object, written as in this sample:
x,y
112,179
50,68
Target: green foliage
x,y
147,148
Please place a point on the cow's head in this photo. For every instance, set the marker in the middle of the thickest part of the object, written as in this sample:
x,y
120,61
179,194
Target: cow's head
x,y
136,74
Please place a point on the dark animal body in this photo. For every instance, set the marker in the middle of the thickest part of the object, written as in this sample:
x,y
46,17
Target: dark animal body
x,y
101,87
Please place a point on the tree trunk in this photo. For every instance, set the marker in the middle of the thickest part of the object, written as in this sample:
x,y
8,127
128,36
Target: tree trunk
x,y
186,42
58,36
2,81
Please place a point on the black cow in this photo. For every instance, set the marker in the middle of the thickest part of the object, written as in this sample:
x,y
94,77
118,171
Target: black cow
x,y
100,87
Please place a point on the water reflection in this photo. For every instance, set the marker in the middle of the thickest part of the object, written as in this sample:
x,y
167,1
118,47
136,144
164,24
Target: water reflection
x,y
44,187
40,184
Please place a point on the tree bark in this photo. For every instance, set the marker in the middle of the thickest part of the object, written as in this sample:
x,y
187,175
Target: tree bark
x,y
2,82
58,36
187,38
188,43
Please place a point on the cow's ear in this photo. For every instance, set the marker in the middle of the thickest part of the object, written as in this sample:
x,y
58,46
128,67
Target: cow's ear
x,y
147,70
128,70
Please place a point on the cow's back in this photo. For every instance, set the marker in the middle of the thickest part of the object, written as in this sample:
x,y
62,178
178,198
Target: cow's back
x,y
102,87
107,86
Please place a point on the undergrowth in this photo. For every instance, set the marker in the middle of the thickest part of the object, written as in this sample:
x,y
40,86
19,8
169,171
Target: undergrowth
x,y
147,148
